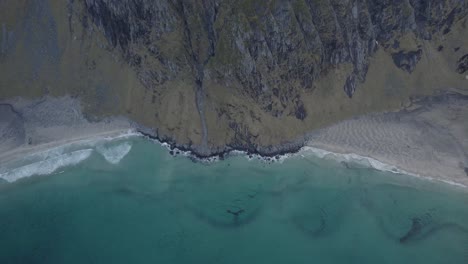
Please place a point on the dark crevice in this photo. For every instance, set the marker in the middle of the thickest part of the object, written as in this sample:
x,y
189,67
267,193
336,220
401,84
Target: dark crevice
x,y
462,64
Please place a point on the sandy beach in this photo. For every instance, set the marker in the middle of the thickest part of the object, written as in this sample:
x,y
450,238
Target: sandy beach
x,y
31,126
428,138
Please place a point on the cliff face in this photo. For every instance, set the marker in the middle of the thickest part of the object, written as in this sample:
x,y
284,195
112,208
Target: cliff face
x,y
245,74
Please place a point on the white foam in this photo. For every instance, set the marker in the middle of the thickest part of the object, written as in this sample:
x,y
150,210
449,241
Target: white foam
x,y
71,153
368,162
115,154
47,166
79,144
321,153
351,157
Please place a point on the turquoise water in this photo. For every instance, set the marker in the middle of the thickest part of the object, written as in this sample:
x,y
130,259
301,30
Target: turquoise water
x,y
154,208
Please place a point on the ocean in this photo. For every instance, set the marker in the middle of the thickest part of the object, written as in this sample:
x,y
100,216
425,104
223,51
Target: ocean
x,y
127,200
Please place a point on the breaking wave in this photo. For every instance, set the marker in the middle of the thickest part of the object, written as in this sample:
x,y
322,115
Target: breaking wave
x,y
367,162
47,161
47,166
114,154
354,158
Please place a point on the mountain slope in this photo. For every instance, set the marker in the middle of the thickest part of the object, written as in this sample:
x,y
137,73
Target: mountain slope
x,y
215,74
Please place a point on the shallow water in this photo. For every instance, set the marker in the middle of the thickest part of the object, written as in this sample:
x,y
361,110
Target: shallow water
x,y
148,207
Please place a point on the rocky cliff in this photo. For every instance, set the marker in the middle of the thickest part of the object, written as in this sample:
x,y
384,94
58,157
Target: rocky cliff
x,y
210,75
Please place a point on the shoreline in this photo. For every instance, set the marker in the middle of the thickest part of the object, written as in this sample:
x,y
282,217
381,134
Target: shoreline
x,y
378,165
428,139
10,156
338,157
303,152
333,140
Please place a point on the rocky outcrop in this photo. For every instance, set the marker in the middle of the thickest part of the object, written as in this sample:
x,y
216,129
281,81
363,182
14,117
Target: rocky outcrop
x,y
281,46
407,60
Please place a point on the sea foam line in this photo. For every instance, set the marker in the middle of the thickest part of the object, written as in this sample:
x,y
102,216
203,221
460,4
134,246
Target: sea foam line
x,y
115,154
351,157
309,150
47,166
91,141
47,161
368,162
317,152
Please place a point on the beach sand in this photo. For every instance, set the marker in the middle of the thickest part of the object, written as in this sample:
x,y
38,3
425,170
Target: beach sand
x,y
428,138
30,126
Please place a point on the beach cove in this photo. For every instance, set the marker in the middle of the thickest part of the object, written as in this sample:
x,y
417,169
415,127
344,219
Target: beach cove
x,y
74,191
